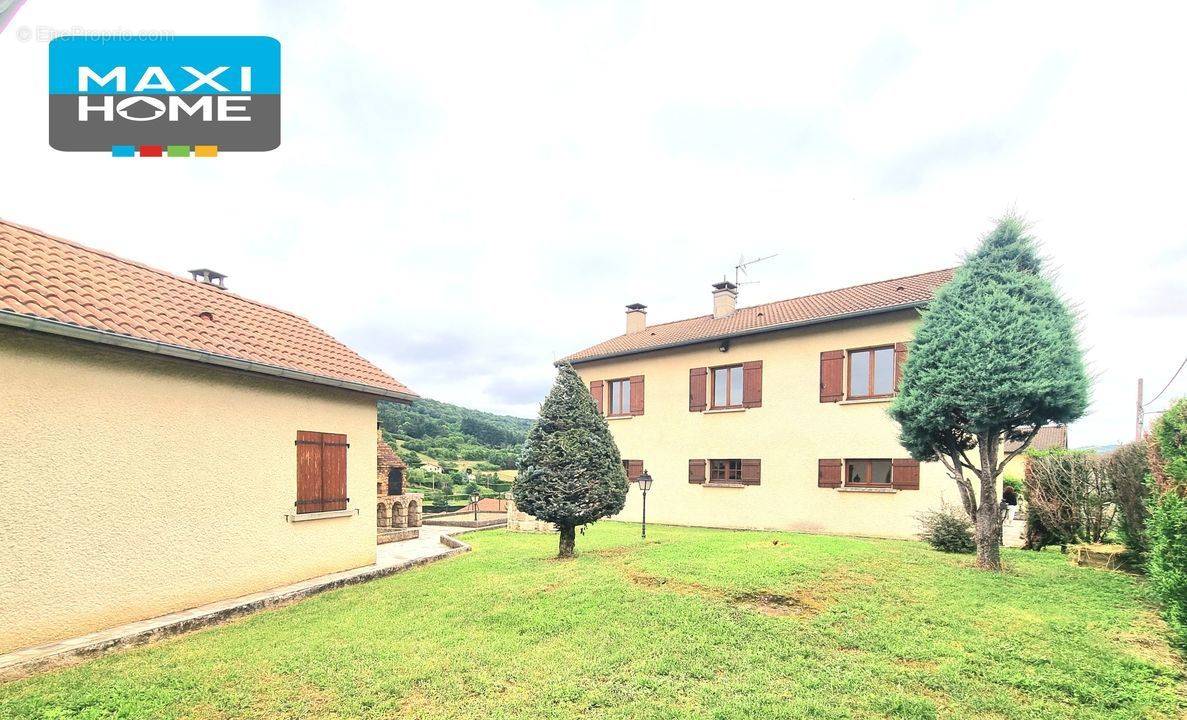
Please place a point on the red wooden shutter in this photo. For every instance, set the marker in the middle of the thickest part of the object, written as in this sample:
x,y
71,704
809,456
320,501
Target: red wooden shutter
x,y
751,472
904,474
696,471
900,359
697,382
308,472
752,384
829,473
595,390
832,374
637,395
634,469
333,471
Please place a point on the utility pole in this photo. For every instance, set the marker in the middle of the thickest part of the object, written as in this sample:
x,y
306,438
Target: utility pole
x,y
1141,413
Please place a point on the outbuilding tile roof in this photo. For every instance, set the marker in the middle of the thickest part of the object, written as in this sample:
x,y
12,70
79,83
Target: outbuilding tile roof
x,y
910,291
53,279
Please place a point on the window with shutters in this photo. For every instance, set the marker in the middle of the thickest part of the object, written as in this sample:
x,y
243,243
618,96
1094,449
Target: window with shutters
x,y
620,397
871,372
727,387
633,468
321,472
868,473
725,470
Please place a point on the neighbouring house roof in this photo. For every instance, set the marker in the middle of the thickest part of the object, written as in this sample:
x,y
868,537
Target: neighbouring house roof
x,y
877,297
1048,438
58,287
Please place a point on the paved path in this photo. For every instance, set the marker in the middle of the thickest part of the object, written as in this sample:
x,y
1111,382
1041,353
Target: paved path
x,y
1014,533
390,558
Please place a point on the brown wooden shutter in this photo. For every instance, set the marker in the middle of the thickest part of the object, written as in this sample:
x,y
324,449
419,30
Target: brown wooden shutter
x,y
333,471
637,395
751,472
308,472
634,468
752,384
696,471
595,390
321,472
829,473
900,359
832,374
697,384
904,474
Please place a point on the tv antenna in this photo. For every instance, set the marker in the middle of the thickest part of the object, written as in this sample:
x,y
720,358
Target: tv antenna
x,y
740,269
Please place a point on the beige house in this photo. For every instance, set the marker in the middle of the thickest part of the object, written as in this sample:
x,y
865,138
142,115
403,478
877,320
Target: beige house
x,y
772,416
167,443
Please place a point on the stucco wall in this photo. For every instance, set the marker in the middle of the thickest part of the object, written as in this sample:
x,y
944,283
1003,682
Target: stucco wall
x,y
132,486
789,433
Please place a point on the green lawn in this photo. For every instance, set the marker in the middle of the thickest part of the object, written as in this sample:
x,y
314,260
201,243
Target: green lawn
x,y
694,623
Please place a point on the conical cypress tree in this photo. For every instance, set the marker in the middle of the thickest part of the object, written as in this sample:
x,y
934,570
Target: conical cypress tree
x,y
995,358
570,472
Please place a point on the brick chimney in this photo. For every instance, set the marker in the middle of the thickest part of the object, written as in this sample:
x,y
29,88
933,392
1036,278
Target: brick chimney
x,y
636,318
725,298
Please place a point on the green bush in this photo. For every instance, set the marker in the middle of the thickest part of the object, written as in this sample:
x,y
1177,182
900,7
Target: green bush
x,y
1126,470
1167,565
947,530
1166,528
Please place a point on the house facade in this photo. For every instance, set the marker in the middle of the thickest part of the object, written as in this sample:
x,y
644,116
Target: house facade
x,y
772,416
167,443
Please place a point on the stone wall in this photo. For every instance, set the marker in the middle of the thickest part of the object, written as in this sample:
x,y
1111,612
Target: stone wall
x,y
518,521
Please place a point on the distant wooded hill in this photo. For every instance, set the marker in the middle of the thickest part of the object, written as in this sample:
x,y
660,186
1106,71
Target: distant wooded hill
x,y
446,432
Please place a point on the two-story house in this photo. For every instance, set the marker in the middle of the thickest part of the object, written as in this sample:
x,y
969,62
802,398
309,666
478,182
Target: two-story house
x,y
772,416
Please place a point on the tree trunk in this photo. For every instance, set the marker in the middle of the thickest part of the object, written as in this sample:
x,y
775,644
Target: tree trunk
x,y
568,540
988,531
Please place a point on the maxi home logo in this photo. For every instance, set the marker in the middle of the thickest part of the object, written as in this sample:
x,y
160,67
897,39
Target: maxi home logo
x,y
164,95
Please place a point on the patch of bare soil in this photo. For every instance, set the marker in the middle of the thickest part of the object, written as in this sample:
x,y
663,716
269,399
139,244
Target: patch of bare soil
x,y
799,603
778,605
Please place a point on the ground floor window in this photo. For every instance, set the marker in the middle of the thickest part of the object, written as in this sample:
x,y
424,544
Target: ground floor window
x,y
868,473
725,470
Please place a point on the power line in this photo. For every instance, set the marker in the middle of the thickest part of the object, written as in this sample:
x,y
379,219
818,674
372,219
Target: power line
x,y
1168,383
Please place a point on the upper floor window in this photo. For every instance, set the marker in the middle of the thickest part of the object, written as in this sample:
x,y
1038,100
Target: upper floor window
x,y
727,386
871,372
620,397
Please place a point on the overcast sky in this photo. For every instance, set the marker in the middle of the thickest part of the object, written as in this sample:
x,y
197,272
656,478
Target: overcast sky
x,y
466,192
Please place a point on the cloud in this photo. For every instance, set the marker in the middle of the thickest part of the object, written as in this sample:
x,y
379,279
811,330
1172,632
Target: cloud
x,y
466,192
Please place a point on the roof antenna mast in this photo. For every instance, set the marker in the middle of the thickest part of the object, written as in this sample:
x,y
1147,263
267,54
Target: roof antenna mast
x,y
743,263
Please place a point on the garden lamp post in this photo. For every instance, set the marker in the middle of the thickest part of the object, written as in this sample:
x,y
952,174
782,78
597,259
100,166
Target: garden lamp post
x,y
474,498
644,485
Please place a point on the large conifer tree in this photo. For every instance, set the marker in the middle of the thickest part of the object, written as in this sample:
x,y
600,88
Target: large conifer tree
x,y
995,358
570,472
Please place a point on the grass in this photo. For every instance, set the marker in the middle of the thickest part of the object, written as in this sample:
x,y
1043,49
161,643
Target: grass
x,y
692,623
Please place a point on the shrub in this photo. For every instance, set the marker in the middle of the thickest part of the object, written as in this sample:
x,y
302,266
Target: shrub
x,y
947,530
1067,491
1125,469
1167,565
1166,528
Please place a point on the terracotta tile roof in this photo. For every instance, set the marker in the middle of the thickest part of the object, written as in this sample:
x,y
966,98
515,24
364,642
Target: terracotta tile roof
x,y
116,301
386,456
910,291
1047,438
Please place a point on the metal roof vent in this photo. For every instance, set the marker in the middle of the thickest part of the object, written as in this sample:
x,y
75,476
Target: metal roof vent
x,y
209,277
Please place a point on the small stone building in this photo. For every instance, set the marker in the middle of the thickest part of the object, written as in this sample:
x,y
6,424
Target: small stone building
x,y
398,513
519,521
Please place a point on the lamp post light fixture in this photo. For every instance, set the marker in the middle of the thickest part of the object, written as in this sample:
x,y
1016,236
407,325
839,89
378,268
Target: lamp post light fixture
x,y
644,486
474,498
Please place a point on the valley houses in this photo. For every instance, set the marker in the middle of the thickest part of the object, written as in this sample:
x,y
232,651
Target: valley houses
x,y
167,443
772,416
